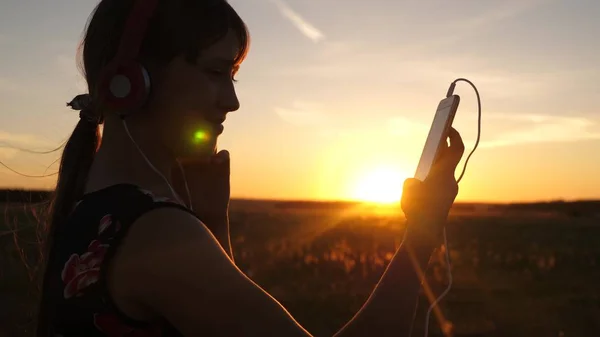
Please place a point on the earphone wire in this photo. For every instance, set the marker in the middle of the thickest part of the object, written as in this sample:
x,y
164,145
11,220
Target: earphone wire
x,y
478,122
157,171
446,248
185,183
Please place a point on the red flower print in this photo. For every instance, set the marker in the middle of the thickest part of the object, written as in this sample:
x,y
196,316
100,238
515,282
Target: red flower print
x,y
112,326
82,270
106,222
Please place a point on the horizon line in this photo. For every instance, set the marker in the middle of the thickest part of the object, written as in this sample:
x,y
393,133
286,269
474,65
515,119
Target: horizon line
x,y
353,201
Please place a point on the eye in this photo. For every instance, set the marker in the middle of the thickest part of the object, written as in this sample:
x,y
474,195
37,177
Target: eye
x,y
222,72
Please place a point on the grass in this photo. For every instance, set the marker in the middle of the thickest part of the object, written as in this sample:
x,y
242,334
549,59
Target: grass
x,y
519,270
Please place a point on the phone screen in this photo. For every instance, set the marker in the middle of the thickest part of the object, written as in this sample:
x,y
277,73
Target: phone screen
x,y
438,133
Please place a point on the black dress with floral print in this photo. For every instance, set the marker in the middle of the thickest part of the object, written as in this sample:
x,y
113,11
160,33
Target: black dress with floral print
x,y
83,247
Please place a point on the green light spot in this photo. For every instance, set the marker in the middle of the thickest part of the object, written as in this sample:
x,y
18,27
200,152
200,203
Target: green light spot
x,y
200,136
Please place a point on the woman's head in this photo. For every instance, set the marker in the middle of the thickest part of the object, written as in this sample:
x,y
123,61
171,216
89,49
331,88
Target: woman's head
x,y
192,49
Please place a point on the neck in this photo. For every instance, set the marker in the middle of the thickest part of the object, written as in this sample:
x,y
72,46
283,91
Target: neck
x,y
118,160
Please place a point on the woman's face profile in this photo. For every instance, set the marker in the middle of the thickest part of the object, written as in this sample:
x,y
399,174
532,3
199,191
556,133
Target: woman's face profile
x,y
190,101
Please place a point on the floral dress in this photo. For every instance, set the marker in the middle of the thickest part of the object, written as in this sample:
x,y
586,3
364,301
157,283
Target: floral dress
x,y
83,246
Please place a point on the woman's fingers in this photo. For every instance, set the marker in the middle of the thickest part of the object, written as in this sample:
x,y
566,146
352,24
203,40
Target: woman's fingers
x,y
457,147
450,155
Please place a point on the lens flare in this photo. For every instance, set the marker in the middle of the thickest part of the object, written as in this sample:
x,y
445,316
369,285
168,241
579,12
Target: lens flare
x,y
200,136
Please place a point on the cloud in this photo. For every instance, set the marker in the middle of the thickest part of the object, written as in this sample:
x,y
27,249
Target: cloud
x,y
67,66
465,28
8,153
505,11
305,27
406,128
10,86
62,69
521,129
498,130
495,81
303,114
543,129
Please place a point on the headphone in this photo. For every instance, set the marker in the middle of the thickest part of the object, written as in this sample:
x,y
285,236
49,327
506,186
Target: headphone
x,y
125,83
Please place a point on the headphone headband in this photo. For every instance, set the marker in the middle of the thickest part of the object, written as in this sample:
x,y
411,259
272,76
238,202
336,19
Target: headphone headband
x,y
135,30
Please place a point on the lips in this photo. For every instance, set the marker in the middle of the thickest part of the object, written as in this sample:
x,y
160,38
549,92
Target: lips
x,y
218,129
217,125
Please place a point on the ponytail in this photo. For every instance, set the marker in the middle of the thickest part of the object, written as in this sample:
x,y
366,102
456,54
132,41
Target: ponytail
x,y
77,158
75,165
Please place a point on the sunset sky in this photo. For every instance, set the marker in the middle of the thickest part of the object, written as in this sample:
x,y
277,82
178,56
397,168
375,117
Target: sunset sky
x,y
336,92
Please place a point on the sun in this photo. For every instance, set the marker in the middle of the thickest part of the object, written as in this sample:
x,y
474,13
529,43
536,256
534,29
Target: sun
x,y
382,185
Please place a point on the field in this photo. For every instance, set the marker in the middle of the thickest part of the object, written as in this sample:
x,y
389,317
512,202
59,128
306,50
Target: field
x,y
519,270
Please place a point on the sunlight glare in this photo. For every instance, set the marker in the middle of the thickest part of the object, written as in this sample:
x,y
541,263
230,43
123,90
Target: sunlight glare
x,y
382,185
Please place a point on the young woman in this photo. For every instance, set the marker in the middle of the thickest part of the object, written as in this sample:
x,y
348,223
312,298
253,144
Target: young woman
x,y
127,256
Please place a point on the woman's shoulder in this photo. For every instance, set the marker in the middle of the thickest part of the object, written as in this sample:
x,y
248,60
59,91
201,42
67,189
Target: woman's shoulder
x,y
84,252
105,215
171,264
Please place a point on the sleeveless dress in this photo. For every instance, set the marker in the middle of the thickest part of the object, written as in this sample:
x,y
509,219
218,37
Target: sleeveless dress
x,y
83,248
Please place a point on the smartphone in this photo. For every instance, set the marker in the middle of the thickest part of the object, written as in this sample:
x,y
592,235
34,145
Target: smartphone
x,y
442,121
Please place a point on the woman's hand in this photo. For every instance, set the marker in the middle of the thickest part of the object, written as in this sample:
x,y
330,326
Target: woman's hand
x,y
427,204
209,187
208,183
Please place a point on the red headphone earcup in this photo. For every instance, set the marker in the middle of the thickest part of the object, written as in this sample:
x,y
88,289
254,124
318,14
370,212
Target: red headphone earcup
x,y
125,88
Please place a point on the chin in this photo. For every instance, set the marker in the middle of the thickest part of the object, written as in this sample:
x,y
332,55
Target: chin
x,y
195,151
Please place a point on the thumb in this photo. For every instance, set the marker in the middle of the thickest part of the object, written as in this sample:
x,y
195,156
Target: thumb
x,y
221,158
411,196
412,190
411,184
221,162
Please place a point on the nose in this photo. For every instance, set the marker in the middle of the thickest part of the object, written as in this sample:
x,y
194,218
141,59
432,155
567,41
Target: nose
x,y
229,101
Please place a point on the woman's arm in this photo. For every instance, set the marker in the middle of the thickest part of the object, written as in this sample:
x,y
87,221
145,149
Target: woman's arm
x,y
220,228
389,310
173,266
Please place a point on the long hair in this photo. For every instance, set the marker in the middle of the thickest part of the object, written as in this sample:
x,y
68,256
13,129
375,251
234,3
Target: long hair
x,y
178,27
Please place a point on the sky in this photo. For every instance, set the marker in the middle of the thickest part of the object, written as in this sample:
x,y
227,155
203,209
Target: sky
x,y
336,94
